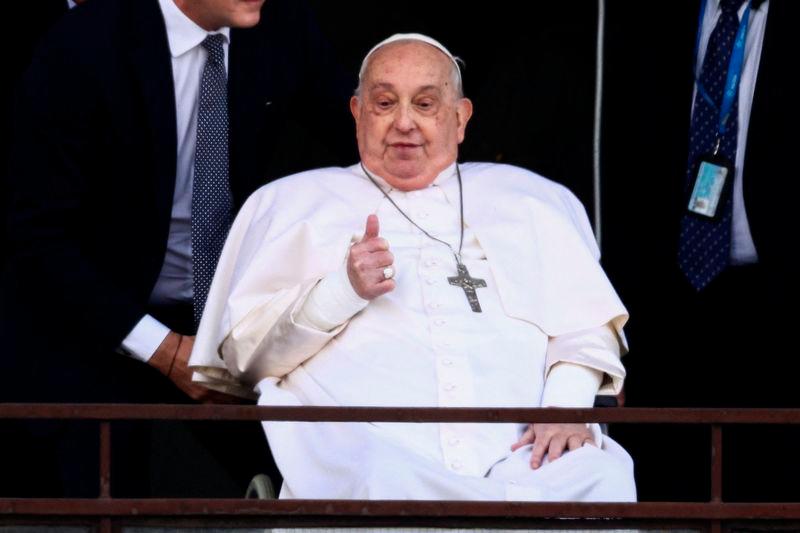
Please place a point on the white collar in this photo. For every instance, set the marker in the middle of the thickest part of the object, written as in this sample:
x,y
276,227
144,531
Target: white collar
x,y
183,33
714,4
440,180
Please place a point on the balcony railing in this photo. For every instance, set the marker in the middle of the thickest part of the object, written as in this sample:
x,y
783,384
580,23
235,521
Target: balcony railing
x,y
106,512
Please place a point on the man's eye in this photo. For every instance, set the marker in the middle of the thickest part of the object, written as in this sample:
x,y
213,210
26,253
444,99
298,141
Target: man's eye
x,y
425,104
384,104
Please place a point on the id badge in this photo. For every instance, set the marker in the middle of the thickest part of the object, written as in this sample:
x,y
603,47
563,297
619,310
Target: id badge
x,y
712,178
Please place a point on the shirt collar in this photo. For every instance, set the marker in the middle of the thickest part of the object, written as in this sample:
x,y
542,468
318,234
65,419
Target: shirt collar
x,y
444,176
755,7
183,33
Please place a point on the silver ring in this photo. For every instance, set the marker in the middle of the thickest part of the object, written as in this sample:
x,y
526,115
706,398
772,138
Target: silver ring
x,y
388,273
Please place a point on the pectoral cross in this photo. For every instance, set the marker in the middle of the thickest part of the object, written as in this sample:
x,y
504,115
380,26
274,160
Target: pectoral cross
x,y
469,284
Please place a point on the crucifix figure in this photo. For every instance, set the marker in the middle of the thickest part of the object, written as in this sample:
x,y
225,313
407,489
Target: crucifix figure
x,y
469,284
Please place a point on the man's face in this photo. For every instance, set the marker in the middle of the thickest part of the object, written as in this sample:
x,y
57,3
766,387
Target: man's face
x,y
212,15
409,118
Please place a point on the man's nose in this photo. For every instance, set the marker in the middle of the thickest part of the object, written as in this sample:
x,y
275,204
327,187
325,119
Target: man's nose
x,y
404,119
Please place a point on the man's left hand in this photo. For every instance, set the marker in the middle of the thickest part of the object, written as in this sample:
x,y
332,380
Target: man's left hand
x,y
172,360
553,439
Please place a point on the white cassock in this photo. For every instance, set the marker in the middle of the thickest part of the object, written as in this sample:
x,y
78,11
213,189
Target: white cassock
x,y
419,345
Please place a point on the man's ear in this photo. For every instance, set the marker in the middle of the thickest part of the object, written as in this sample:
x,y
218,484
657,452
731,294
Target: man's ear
x,y
355,104
463,114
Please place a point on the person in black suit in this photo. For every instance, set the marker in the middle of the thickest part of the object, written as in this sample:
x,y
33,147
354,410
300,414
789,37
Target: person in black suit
x,y
31,22
727,344
100,165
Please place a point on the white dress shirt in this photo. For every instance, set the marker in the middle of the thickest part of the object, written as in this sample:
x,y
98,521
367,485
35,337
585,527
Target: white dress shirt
x,y
743,250
175,282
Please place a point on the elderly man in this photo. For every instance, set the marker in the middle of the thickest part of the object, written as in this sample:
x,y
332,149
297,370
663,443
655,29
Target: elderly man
x,y
411,280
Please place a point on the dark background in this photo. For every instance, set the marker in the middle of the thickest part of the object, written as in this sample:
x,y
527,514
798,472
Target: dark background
x,y
531,77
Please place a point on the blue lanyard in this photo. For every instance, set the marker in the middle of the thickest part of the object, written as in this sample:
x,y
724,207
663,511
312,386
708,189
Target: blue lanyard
x,y
734,67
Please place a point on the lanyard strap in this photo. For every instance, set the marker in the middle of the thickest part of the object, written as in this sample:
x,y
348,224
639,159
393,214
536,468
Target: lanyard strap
x,y
734,67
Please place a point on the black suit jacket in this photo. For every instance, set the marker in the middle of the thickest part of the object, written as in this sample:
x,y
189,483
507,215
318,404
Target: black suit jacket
x,y
647,102
31,21
92,174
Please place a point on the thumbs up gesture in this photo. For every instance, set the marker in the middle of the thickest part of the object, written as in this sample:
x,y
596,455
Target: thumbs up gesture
x,y
369,262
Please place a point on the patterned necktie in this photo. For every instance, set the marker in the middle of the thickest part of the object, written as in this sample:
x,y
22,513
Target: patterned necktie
x,y
704,249
211,194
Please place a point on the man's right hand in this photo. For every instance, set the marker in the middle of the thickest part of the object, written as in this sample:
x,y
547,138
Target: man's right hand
x,y
367,260
172,359
552,439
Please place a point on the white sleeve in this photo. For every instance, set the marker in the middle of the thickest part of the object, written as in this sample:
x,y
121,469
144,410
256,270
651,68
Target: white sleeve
x,y
571,385
598,348
331,303
276,337
144,339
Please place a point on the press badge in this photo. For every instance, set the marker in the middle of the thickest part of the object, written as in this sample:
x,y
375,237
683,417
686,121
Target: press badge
x,y
713,173
711,183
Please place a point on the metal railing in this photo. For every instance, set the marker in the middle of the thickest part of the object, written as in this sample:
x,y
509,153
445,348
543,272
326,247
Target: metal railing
x,y
106,512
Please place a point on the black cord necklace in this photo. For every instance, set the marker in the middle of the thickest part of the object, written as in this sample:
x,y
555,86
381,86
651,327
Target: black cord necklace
x,y
463,279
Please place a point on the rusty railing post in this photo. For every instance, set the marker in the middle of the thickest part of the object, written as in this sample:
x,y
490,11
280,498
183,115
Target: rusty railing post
x,y
105,472
716,472
716,463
